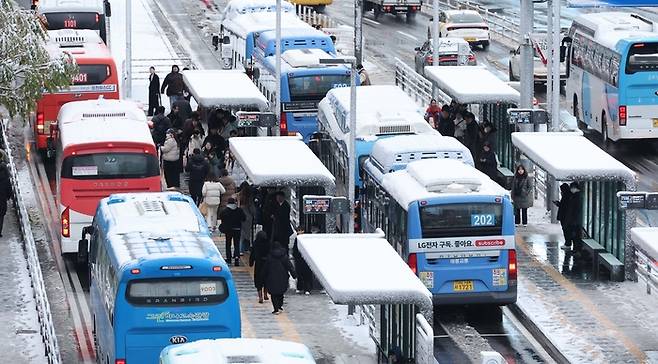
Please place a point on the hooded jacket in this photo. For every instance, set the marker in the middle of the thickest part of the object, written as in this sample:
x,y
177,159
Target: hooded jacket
x,y
232,217
198,168
212,192
277,267
170,151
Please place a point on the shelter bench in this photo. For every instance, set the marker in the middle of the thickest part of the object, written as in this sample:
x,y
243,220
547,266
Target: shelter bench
x,y
612,264
593,249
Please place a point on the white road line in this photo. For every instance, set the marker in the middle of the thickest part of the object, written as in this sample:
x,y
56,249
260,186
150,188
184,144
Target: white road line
x,y
407,35
372,21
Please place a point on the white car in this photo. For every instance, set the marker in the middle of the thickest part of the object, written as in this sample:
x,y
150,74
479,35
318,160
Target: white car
x,y
540,67
467,24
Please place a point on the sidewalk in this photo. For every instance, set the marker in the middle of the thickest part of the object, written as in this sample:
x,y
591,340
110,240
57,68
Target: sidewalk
x,y
588,321
20,337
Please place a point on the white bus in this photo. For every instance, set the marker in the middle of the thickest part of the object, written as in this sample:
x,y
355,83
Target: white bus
x,y
77,14
239,7
219,351
613,74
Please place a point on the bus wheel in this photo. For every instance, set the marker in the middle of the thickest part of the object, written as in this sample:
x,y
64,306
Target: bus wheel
x,y
604,130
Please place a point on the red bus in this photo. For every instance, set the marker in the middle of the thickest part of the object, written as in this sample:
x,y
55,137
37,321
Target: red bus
x,y
76,14
97,76
104,147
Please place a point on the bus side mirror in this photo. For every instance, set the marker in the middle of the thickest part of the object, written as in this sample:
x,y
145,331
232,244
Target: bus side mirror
x,y
215,41
108,8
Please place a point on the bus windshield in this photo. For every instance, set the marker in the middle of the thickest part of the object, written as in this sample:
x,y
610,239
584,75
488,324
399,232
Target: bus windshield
x,y
92,74
642,57
461,219
177,291
307,88
109,166
73,21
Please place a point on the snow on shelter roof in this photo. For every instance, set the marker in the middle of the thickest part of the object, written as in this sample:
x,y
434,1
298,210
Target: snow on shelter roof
x,y
382,278
390,151
225,89
429,178
280,161
471,84
571,157
646,238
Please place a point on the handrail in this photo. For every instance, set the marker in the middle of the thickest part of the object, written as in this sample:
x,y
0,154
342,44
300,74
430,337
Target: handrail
x,y
424,341
47,328
646,268
417,86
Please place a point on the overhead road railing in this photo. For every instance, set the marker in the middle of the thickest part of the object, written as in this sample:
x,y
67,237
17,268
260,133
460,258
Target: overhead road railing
x,y
606,227
646,260
46,325
383,279
417,86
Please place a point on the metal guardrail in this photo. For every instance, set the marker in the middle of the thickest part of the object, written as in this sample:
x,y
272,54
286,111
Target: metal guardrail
x,y
417,86
646,269
46,326
424,341
307,14
140,66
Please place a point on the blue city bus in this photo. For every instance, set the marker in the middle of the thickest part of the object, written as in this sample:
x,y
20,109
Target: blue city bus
x,y
612,69
156,277
292,38
452,224
304,82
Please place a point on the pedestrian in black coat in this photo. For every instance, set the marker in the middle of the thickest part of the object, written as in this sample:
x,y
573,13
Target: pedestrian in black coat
x,y
217,141
198,168
277,267
154,91
471,134
446,124
574,216
487,162
304,272
281,229
161,124
174,85
5,192
232,217
562,208
175,118
257,258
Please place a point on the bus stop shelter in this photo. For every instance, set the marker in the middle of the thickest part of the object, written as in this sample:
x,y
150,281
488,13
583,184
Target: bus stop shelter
x,y
285,163
231,91
568,157
487,96
373,273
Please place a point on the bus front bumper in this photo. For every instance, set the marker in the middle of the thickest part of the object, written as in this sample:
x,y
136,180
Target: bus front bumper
x,y
500,298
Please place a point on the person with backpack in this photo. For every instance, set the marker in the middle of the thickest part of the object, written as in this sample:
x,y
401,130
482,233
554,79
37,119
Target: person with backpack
x,y
212,191
232,217
198,168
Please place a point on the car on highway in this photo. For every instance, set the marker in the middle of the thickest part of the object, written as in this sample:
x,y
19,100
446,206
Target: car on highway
x,y
448,54
540,72
467,24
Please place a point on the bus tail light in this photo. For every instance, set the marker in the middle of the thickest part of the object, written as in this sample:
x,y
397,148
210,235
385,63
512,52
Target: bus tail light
x,y
511,265
40,123
66,223
283,124
413,263
135,271
622,115
120,361
216,268
98,18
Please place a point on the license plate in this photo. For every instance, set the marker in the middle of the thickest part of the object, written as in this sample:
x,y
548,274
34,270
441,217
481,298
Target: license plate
x,y
655,123
404,8
461,286
470,39
427,278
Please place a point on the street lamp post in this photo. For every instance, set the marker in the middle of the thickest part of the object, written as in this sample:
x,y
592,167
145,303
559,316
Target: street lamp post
x,y
128,62
277,47
351,155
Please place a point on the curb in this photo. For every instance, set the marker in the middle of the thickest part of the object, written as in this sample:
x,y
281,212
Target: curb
x,y
538,334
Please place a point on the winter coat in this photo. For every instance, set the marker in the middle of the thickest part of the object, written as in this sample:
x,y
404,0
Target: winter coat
x,y
217,141
257,258
277,267
161,124
229,187
174,84
522,195
176,121
170,151
196,142
184,110
227,129
212,193
364,77
563,204
574,213
188,129
471,137
281,229
154,84
198,167
232,217
446,126
487,164
432,112
5,184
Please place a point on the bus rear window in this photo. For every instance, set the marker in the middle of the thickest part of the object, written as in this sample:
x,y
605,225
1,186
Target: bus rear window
x,y
642,57
110,165
177,291
307,88
462,219
92,74
73,21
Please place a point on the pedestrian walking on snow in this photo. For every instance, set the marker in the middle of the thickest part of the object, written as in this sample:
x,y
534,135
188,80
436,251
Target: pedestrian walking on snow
x,y
161,124
277,268
229,185
212,191
170,159
232,217
5,192
574,217
154,91
198,168
364,77
174,85
281,228
257,259
562,208
304,272
522,196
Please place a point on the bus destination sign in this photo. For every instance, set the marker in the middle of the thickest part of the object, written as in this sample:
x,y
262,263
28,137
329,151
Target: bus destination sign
x,y
631,200
317,204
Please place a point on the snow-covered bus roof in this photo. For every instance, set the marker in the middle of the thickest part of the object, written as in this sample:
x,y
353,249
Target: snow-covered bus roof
x,y
280,161
219,351
381,110
243,24
572,157
403,149
426,179
371,273
471,84
646,238
73,37
239,7
100,108
225,89
609,27
73,6
105,130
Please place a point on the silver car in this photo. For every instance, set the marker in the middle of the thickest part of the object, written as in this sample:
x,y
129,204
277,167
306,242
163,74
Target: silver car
x,y
448,54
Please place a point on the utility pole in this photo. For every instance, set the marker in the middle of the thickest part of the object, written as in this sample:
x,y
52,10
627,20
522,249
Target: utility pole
x,y
526,64
277,47
435,31
358,31
555,67
128,62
